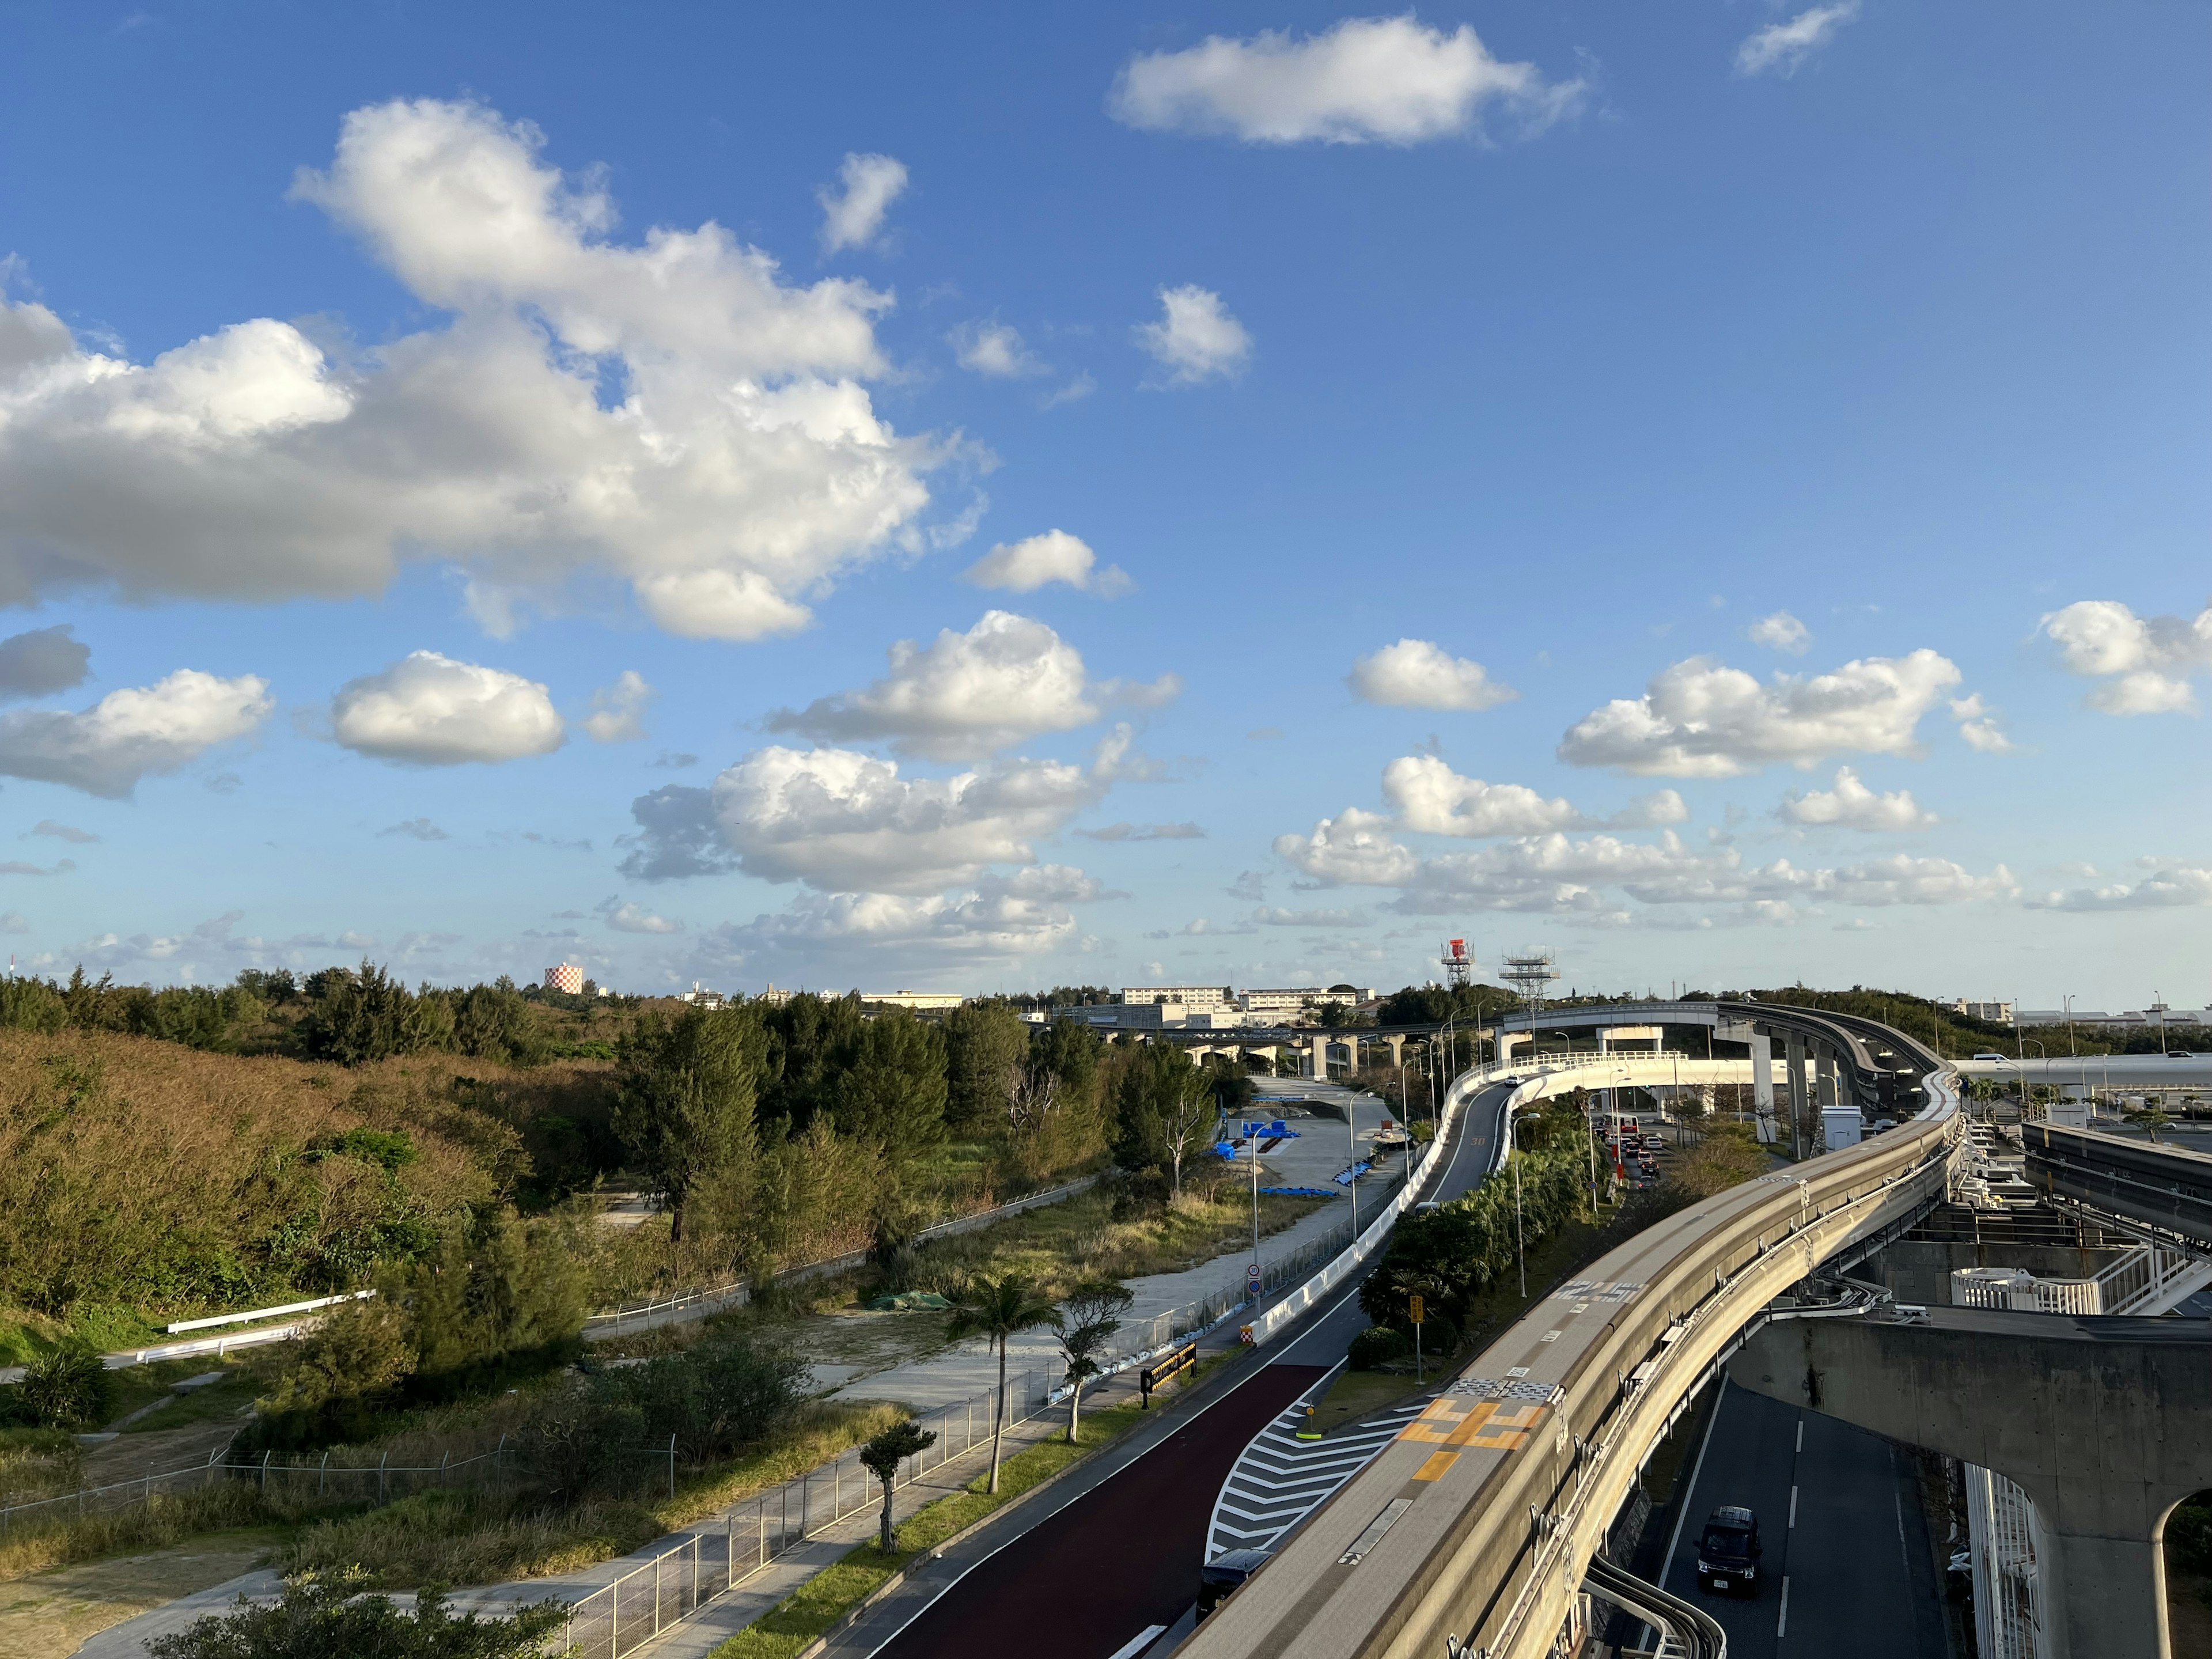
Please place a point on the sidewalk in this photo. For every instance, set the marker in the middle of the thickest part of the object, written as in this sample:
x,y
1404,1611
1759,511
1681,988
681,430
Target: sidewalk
x,y
1321,1151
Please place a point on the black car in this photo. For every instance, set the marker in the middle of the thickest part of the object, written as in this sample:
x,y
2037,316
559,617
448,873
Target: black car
x,y
1729,1552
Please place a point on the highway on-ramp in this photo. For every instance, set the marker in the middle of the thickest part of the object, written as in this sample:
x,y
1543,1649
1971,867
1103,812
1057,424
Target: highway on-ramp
x,y
1120,1552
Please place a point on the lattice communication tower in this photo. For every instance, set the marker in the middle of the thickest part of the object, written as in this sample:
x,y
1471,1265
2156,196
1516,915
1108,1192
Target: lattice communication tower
x,y
1528,972
1458,964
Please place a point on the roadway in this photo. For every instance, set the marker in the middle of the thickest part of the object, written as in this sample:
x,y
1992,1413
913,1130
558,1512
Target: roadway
x,y
1120,1552
1861,1579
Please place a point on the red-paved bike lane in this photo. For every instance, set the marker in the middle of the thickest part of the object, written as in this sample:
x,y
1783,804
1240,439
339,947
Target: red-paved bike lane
x,y
1124,1555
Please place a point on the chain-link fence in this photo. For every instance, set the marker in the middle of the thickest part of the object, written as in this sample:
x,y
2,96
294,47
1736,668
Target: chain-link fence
x,y
620,1617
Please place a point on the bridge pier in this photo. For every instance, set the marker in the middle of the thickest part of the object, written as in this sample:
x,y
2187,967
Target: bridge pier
x,y
2106,1423
1762,1084
1793,1047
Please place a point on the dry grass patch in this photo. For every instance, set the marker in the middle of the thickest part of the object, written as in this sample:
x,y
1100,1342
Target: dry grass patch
x,y
51,1614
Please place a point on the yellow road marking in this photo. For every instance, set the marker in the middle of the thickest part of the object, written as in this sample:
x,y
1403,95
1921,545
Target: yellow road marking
x,y
1435,1464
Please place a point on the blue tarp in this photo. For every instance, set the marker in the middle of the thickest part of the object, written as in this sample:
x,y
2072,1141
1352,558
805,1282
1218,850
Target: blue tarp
x,y
1354,1174
1298,1192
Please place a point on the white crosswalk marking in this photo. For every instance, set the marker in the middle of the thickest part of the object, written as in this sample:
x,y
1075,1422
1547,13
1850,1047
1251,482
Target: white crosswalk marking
x,y
1280,1479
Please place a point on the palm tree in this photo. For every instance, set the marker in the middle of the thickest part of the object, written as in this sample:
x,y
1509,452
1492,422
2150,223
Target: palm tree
x,y
995,1309
883,1456
1092,1315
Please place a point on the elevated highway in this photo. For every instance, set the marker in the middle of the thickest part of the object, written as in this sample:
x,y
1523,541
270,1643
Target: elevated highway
x,y
2165,1190
1473,1531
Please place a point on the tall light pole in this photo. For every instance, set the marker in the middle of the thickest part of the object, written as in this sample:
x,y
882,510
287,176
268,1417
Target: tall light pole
x,y
1351,1170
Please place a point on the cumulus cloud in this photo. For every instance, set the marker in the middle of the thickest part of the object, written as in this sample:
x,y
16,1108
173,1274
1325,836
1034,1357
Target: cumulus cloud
x,y
68,832
1416,674
1852,806
1978,725
42,662
2168,886
1781,631
1428,795
429,710
1702,720
668,412
2144,663
1196,339
1782,48
995,349
1369,80
966,696
845,822
1661,806
1035,561
1009,916
1118,832
617,710
630,918
131,733
1354,848
853,215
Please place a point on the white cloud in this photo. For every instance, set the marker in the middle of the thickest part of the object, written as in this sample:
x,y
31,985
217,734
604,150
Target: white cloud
x,y
1661,806
1851,805
617,709
1781,631
667,412
1701,720
1354,849
854,217
629,918
1001,917
1369,80
1195,338
129,733
1416,674
844,821
415,829
995,349
1782,48
1121,832
1978,725
429,710
1024,566
969,695
2145,662
68,832
1275,916
1428,795
2169,886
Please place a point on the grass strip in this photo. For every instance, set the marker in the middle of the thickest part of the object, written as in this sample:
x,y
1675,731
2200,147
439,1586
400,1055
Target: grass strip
x,y
814,1608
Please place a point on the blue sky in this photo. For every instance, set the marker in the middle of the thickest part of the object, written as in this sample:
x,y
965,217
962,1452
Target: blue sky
x,y
1800,412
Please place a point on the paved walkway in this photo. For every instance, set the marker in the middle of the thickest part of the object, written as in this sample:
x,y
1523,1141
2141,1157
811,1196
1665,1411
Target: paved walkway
x,y
1313,1159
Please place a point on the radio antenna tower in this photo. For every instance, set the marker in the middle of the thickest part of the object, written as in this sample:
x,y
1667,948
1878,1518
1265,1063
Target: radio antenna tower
x,y
1528,972
1458,964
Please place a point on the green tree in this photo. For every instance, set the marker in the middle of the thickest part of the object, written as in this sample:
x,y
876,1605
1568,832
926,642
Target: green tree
x,y
1089,1315
1164,1110
355,1017
987,1051
684,1100
499,1296
893,1096
331,1618
882,1457
997,1309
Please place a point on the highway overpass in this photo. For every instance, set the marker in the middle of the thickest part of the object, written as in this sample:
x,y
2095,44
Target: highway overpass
x,y
1473,1531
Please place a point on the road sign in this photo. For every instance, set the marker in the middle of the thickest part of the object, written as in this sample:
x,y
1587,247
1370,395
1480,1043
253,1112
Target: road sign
x,y
1416,1306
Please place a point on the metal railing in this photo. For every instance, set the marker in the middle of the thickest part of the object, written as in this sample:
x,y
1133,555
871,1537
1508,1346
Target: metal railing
x,y
297,1480
621,1617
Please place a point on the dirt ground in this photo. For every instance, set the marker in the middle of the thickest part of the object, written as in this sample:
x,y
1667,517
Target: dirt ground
x,y
130,1455
49,1615
2189,1612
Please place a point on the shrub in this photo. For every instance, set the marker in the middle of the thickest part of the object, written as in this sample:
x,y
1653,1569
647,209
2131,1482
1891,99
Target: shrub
x,y
67,1388
329,1618
2189,1537
1378,1345
330,1383
724,1393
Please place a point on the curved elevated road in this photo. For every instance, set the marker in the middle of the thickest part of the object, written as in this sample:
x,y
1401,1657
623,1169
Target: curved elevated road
x,y
1120,1554
1479,1522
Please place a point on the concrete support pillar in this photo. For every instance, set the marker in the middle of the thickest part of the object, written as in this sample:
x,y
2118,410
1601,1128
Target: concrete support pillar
x,y
1793,1053
1762,1084
1510,1043
2106,1424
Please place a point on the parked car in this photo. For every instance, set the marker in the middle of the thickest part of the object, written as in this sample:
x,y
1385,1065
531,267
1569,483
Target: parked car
x,y
1729,1552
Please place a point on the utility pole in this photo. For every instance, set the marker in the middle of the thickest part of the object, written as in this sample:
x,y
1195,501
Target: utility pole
x,y
1252,1140
1351,1170
1520,1250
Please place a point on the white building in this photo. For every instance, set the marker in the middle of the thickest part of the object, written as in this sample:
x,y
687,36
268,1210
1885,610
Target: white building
x,y
1189,996
1293,1001
710,1000
934,999
567,977
1997,1014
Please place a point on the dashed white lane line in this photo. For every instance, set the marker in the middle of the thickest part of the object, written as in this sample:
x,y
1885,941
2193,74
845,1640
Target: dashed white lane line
x,y
1782,1624
1793,1506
